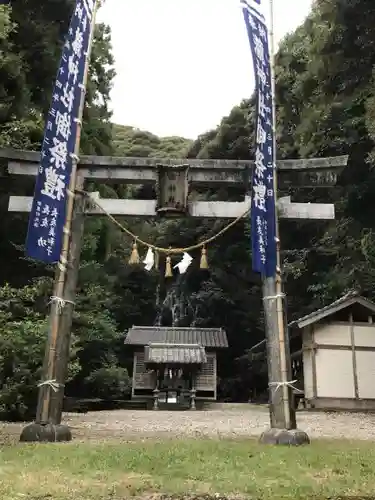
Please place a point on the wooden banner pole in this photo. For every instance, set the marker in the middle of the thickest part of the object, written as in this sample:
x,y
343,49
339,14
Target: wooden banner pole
x,y
282,414
35,432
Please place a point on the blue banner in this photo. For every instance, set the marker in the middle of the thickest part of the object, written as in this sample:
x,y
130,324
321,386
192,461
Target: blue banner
x,y
48,212
263,216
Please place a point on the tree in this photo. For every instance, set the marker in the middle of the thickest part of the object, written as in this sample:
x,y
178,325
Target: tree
x,y
132,142
23,329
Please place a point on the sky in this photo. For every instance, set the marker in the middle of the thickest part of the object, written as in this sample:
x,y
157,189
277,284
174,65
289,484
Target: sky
x,y
182,65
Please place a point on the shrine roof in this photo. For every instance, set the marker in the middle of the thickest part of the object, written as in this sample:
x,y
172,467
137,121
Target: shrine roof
x,y
350,298
206,337
172,353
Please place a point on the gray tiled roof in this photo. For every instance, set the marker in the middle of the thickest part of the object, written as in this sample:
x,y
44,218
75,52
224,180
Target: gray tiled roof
x,y
206,337
168,353
346,300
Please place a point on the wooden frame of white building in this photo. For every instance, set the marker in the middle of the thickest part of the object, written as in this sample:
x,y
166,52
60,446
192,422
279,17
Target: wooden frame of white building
x,y
338,354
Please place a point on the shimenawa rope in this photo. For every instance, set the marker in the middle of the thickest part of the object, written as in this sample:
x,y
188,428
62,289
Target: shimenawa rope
x,y
161,249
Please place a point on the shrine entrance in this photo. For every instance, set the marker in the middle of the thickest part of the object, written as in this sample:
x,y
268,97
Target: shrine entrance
x,y
175,368
174,383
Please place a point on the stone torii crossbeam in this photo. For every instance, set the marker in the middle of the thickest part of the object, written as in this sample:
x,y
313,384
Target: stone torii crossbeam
x,y
174,180
317,172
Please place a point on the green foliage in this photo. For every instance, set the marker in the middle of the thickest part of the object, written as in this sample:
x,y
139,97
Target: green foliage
x,y
23,336
325,89
98,339
97,130
233,139
22,340
129,141
110,382
95,347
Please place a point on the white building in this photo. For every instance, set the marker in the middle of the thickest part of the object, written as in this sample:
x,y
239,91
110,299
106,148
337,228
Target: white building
x,y
338,355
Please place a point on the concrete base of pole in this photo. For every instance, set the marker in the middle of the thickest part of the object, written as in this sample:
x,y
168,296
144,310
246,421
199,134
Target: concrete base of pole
x,y
45,433
292,437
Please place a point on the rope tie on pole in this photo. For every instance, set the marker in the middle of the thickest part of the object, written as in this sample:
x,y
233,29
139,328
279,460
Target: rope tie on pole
x,y
61,267
287,383
55,386
60,302
75,157
70,193
272,297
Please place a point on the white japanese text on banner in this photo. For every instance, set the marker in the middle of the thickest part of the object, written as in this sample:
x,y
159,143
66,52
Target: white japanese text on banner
x,y
263,217
48,212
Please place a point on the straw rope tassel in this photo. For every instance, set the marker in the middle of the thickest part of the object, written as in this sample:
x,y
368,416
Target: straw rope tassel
x,y
134,256
175,251
204,261
168,267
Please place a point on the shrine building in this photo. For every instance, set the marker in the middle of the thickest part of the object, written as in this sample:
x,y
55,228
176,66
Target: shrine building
x,y
173,365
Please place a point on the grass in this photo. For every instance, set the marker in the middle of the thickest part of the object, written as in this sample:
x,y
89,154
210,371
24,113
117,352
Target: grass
x,y
245,469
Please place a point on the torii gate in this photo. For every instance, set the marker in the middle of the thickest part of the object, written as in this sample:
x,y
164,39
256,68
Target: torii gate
x,y
173,178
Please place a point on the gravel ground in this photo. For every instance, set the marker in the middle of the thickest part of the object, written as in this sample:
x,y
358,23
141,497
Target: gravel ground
x,y
230,421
